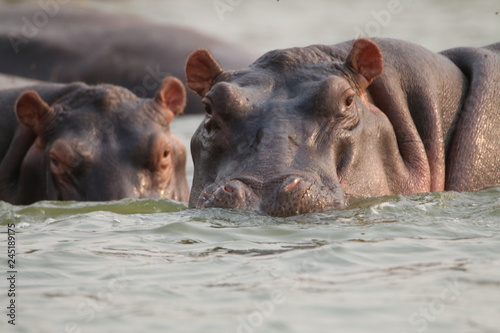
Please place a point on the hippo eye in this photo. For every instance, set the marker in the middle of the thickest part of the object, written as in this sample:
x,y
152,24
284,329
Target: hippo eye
x,y
208,105
208,109
54,162
57,167
349,100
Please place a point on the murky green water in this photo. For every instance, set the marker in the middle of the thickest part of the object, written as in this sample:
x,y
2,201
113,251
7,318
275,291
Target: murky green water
x,y
398,264
423,263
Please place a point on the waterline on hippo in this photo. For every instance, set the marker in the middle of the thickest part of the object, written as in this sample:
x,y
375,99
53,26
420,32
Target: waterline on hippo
x,y
303,129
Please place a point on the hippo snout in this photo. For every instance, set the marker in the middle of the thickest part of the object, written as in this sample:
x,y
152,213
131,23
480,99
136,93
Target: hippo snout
x,y
297,195
232,194
289,195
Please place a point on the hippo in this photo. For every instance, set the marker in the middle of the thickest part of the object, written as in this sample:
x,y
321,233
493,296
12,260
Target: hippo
x,y
64,44
305,129
90,143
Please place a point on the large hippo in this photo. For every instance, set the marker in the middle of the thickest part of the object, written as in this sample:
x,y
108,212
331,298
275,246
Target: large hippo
x,y
51,42
302,129
92,143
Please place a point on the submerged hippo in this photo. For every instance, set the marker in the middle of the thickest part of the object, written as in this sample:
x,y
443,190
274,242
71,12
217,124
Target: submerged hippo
x,y
302,129
95,143
51,42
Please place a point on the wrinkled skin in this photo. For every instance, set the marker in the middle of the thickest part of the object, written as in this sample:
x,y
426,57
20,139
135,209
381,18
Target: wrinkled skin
x,y
90,143
95,47
303,129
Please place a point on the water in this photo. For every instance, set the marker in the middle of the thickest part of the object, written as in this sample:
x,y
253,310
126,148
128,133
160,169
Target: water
x,y
421,263
394,264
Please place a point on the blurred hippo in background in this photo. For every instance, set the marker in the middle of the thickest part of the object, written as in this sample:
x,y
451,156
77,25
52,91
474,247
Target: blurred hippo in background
x,y
303,129
90,143
65,44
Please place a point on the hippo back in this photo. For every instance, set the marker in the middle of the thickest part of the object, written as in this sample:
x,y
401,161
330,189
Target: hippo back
x,y
473,159
125,51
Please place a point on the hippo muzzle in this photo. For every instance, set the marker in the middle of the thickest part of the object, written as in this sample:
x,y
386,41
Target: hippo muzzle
x,y
286,195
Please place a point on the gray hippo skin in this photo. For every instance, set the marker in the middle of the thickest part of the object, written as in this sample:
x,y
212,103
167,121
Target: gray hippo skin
x,y
303,129
90,143
76,44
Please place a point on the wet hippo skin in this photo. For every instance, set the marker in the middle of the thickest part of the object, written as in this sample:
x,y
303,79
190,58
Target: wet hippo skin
x,y
92,143
304,129
78,44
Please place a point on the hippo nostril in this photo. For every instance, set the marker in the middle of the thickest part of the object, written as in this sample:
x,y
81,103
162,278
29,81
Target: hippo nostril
x,y
299,194
290,183
232,194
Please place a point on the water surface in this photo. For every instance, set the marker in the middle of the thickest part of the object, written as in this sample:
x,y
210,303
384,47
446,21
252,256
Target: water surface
x,y
419,263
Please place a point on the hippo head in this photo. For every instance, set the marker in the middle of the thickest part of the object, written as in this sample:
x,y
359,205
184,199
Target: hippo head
x,y
98,143
295,132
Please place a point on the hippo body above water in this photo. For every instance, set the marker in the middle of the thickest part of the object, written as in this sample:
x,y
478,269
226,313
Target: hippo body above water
x,y
67,44
302,129
92,143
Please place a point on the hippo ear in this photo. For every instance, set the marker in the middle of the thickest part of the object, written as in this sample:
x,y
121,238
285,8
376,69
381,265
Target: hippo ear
x,y
31,110
365,59
201,71
171,96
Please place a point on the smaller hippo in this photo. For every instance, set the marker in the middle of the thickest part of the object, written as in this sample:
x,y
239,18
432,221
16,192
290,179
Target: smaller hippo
x,y
90,143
